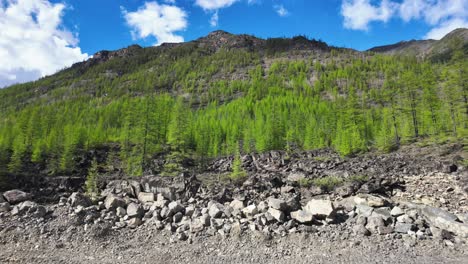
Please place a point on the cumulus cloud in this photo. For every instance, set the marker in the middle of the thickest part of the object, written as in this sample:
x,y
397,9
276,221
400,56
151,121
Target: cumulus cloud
x,y
214,4
281,11
33,41
359,13
161,21
442,16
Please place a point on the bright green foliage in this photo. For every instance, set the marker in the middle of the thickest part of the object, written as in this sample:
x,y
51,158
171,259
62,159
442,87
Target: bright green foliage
x,y
187,101
91,183
238,173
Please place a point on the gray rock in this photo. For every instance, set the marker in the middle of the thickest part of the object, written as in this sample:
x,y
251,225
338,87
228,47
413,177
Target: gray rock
x,y
145,197
404,219
385,230
277,204
113,201
277,214
370,200
134,222
135,210
320,208
16,196
189,210
374,222
236,204
402,228
463,217
79,199
364,210
5,207
175,207
361,230
216,223
120,212
444,220
383,212
177,217
40,211
197,225
250,211
2,199
302,216
397,211
216,210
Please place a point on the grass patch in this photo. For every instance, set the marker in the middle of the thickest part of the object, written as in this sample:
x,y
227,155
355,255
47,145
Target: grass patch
x,y
331,182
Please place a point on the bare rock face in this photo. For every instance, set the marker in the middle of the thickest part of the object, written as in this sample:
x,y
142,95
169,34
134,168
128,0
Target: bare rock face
x,y
16,196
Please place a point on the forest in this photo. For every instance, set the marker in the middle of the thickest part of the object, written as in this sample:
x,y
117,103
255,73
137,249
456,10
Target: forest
x,y
185,102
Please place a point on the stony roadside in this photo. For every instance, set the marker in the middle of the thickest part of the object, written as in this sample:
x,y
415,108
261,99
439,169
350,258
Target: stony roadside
x,y
409,213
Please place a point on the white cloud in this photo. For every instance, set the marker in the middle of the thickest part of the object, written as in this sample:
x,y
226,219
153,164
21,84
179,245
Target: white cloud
x,y
442,16
281,11
158,20
214,4
214,19
359,13
33,41
446,27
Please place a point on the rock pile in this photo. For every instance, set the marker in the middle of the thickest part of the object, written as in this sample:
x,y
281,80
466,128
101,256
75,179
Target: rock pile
x,y
127,205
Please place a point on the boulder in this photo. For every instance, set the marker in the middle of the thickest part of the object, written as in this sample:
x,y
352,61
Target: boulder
x,y
277,214
16,196
197,225
120,212
361,230
135,210
320,208
302,216
175,207
383,212
236,204
374,222
277,204
145,197
397,211
371,200
403,228
134,222
215,210
79,199
444,220
250,211
2,199
364,210
113,201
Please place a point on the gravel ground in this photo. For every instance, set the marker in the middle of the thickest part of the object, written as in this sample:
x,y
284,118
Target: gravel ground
x,y
141,246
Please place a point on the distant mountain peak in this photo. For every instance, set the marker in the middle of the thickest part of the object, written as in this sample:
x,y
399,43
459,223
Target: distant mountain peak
x,y
436,49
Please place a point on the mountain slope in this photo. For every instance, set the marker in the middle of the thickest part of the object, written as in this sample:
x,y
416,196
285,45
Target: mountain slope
x,y
434,49
225,94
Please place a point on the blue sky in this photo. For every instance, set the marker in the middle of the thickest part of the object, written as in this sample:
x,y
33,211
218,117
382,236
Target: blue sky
x,y
39,37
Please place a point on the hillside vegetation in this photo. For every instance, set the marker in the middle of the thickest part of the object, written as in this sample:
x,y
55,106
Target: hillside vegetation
x,y
225,94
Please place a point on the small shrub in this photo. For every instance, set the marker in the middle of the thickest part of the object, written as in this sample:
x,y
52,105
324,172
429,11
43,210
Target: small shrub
x,y
358,178
92,179
238,173
327,183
